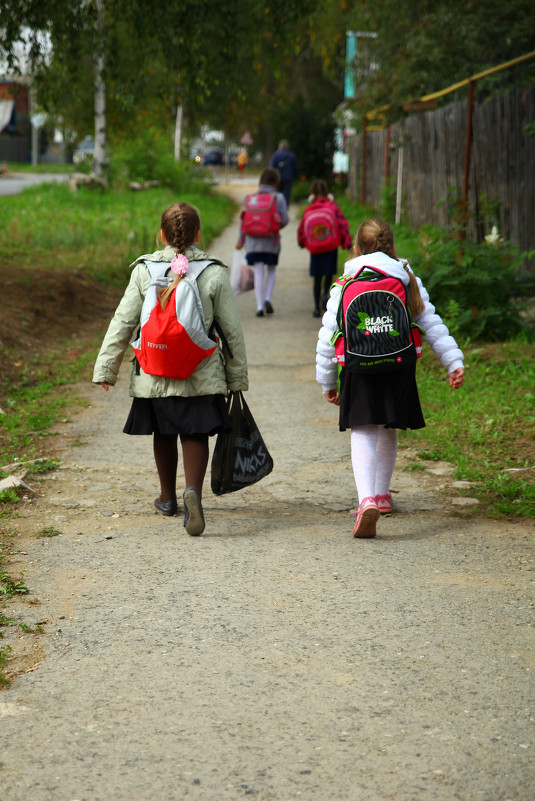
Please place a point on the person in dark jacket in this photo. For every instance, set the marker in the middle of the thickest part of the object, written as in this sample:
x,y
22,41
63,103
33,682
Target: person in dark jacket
x,y
285,161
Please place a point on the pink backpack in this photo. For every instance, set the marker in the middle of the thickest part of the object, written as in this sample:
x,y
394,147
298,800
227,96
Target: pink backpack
x,y
322,232
260,217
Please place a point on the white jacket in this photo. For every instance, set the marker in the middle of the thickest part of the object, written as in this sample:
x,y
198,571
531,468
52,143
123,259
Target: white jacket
x,y
436,333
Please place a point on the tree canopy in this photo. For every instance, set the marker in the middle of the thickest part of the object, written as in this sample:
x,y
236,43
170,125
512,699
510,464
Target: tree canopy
x,y
274,67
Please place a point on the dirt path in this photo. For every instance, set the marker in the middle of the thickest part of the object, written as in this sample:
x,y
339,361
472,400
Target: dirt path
x,y
275,657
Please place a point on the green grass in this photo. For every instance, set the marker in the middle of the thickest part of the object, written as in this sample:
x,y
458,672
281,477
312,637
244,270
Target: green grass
x,y
98,232
16,166
38,400
487,428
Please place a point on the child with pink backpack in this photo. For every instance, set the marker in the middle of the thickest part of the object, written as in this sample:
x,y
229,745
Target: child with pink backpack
x,y
322,230
264,215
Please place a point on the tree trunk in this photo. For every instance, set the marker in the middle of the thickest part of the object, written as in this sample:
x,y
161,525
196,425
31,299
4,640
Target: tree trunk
x,y
99,155
178,131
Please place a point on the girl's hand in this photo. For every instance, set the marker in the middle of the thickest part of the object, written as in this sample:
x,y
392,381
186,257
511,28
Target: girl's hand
x,y
456,379
332,396
104,385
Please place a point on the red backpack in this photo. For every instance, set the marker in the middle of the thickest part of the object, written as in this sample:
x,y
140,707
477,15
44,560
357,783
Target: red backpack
x,y
260,216
375,331
172,342
322,232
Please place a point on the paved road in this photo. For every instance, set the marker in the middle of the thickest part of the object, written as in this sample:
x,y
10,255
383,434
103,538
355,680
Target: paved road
x,y
13,183
275,657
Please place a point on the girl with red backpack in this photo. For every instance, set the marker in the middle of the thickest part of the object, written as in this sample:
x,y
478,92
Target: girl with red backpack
x,y
192,407
264,215
374,404
322,230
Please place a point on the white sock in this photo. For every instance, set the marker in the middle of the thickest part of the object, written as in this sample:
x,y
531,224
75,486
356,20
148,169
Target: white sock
x,y
270,280
387,451
364,459
258,269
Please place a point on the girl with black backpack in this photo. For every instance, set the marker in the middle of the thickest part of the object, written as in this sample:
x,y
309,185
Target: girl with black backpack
x,y
373,405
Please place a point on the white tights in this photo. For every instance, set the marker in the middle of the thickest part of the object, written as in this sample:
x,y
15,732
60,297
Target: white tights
x,y
373,456
263,294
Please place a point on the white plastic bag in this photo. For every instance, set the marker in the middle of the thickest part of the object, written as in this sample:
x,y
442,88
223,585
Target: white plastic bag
x,y
241,275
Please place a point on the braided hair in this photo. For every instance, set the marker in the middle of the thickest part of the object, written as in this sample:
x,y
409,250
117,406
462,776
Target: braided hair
x,y
180,225
375,236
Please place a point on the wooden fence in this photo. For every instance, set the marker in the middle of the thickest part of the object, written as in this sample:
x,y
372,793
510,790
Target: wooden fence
x,y
431,147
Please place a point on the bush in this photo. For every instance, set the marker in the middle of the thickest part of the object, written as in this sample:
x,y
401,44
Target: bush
x,y
149,158
475,288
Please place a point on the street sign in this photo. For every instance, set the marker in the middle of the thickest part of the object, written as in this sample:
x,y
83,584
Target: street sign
x,y
246,139
38,120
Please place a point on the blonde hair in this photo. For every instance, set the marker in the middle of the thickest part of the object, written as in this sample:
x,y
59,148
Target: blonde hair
x,y
180,224
374,236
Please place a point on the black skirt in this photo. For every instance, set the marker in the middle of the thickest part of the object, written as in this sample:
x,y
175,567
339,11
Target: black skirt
x,y
257,257
202,414
387,399
324,263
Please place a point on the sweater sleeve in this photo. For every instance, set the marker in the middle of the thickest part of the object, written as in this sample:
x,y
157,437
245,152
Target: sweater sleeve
x,y
326,367
282,208
120,330
345,235
227,316
301,231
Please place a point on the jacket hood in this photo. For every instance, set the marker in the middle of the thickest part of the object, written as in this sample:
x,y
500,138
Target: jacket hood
x,y
393,267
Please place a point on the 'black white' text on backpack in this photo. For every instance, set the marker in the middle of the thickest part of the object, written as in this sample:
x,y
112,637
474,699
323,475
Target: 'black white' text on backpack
x,y
173,341
375,332
322,232
260,216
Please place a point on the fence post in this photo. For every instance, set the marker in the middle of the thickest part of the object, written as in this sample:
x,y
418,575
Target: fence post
x,y
363,163
467,157
387,155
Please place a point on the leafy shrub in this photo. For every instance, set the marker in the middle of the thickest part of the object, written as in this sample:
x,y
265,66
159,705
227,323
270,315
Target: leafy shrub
x,y
475,288
149,158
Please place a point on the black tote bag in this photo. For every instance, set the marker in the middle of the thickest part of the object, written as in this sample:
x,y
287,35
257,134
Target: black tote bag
x,y
240,456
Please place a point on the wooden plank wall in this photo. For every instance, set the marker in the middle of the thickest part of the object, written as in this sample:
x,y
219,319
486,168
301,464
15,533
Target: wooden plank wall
x,y
502,165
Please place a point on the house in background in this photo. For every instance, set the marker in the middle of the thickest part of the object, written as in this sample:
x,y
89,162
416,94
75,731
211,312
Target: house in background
x,y
15,135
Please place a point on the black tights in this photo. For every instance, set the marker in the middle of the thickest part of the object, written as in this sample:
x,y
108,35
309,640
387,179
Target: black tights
x,y
195,453
319,302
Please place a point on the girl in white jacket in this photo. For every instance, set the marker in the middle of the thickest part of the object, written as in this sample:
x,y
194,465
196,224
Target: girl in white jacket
x,y
375,405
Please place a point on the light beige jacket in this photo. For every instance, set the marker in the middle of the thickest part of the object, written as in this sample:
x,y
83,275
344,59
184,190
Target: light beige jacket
x,y
216,374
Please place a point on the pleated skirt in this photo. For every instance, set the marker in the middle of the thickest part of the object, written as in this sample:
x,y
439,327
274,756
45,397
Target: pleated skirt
x,y
202,414
387,399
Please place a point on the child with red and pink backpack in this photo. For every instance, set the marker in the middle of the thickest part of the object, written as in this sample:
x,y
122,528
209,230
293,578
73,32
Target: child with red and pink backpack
x,y
322,230
376,387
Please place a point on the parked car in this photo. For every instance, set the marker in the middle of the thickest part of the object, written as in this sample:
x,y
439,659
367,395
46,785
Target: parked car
x,y
84,151
213,156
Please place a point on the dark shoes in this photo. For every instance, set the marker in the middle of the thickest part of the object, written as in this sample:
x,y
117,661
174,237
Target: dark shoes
x,y
260,313
193,513
168,508
268,307
316,313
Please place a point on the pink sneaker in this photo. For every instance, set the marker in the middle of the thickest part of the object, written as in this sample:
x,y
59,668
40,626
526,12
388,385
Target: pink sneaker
x,y
367,516
384,502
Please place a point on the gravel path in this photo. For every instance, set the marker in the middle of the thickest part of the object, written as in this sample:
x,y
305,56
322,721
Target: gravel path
x,y
275,657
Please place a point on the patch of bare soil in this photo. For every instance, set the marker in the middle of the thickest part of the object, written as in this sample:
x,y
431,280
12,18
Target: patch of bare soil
x,y
41,313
